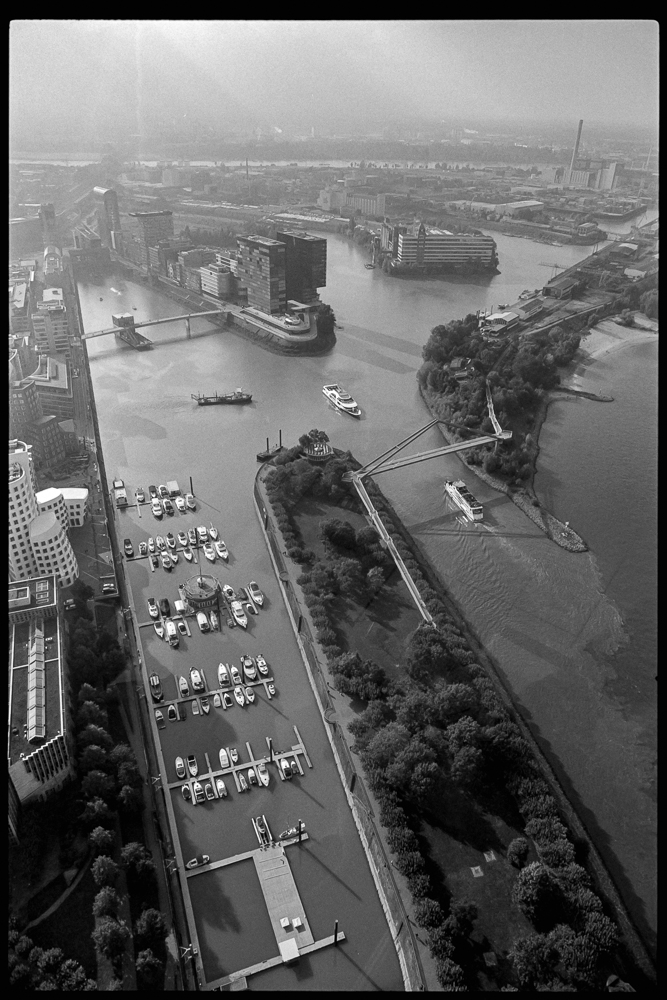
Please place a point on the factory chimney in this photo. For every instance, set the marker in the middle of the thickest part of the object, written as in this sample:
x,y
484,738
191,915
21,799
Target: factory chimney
x,y
575,152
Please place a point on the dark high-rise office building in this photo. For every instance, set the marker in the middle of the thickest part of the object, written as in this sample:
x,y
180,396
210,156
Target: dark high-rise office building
x,y
109,198
47,216
261,268
153,226
305,265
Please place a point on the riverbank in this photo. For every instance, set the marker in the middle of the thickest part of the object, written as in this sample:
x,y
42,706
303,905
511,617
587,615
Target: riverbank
x,y
339,716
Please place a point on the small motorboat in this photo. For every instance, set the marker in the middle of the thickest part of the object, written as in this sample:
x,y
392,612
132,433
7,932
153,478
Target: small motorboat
x,y
286,769
223,675
271,688
160,542
174,557
262,665
155,562
252,777
228,592
192,536
216,700
222,788
369,267
208,790
187,794
250,695
213,532
294,767
239,695
263,774
142,548
159,718
215,621
209,552
201,859
224,758
234,754
227,700
166,560
202,533
180,504
172,714
239,614
171,541
196,679
151,545
254,593
159,628
221,549
261,828
183,687
182,538
153,608
205,706
195,707
188,554
199,792
236,676
243,784
248,668
193,767
190,501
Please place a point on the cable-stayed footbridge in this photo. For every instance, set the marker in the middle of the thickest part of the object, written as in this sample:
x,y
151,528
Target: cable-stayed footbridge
x,y
387,463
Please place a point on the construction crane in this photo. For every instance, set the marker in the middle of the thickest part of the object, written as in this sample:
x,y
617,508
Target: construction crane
x,y
556,268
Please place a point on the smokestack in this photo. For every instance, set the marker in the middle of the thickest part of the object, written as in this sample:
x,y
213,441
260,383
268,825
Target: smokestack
x,y
575,151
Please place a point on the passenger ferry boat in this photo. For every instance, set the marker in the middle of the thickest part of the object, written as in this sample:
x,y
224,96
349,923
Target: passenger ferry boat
x,y
464,499
341,400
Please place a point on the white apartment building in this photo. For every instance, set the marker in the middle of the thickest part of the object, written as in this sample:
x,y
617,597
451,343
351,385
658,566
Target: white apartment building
x,y
216,280
50,324
70,504
438,246
38,542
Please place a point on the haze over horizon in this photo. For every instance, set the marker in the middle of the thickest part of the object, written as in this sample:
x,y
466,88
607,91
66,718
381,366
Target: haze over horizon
x,y
93,81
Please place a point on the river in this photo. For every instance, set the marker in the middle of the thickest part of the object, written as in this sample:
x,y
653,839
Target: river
x,y
573,635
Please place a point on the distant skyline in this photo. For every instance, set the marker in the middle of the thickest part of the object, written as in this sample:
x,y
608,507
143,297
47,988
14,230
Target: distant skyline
x,y
92,81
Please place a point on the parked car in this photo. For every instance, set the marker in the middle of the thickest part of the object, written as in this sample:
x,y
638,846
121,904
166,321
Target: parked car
x,y
156,687
127,546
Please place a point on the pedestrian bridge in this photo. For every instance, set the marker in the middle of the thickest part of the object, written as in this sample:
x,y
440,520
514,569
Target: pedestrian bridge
x,y
127,330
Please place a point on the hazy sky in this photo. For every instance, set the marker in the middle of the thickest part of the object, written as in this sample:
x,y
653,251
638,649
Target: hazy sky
x,y
97,78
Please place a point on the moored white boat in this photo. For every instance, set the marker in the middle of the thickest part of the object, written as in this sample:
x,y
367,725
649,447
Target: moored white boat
x,y
209,552
239,614
222,788
216,700
243,784
223,675
250,695
263,774
221,549
224,759
159,628
262,665
213,532
215,621
239,695
174,557
188,554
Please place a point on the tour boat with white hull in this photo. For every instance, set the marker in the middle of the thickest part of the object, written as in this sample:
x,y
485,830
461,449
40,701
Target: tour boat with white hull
x,y
464,499
236,397
341,400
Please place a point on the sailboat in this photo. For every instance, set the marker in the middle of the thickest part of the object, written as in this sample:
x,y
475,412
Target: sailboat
x,y
264,456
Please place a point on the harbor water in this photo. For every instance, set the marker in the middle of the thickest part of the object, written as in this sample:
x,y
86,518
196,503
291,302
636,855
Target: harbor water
x,y
572,635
